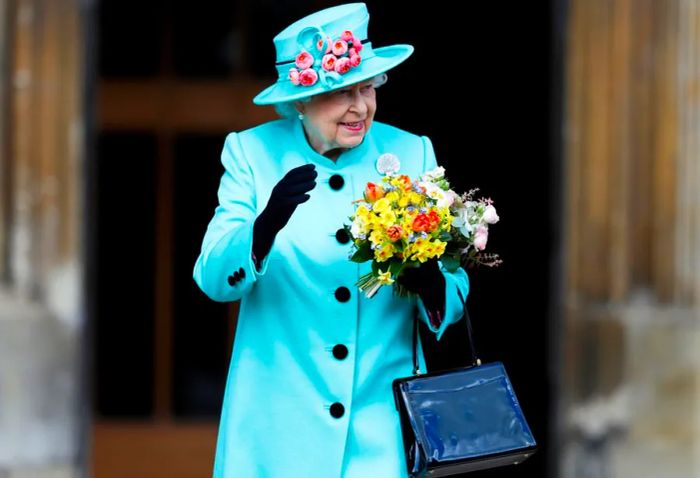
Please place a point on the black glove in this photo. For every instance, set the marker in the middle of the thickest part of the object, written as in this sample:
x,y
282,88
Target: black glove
x,y
287,194
428,282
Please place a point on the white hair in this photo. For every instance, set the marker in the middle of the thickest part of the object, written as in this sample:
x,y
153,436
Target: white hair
x,y
287,109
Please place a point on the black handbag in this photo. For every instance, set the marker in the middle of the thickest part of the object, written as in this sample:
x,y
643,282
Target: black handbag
x,y
462,419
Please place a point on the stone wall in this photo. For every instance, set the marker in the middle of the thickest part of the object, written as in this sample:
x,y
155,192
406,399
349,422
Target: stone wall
x,y
43,405
630,360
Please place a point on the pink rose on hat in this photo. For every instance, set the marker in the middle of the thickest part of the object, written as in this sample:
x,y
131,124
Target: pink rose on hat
x,y
343,65
304,60
294,76
340,47
328,62
357,44
340,56
308,77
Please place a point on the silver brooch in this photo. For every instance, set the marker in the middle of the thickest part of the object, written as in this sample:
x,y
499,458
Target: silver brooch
x,y
388,164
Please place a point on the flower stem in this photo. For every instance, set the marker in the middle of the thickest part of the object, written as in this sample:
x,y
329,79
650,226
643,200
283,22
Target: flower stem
x,y
369,284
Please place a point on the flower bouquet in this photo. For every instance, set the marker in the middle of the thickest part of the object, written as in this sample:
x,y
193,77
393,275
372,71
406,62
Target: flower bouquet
x,y
401,223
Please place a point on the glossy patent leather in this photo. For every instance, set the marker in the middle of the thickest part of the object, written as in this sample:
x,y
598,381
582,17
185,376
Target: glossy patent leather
x,y
461,420
468,415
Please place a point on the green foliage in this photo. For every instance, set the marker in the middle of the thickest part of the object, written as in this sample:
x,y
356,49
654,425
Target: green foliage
x,y
450,263
363,253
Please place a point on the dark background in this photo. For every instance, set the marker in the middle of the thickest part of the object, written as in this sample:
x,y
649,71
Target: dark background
x,y
482,84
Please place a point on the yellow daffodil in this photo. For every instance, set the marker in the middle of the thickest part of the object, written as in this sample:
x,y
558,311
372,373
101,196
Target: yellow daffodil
x,y
392,197
388,219
440,248
384,253
415,198
376,236
382,205
385,278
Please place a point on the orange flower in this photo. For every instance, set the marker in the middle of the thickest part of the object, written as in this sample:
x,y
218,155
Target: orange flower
x,y
421,223
394,232
373,192
406,181
434,218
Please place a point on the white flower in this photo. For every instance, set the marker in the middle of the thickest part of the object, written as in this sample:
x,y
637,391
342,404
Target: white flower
x,y
432,190
457,201
454,197
357,227
388,164
437,173
448,198
490,215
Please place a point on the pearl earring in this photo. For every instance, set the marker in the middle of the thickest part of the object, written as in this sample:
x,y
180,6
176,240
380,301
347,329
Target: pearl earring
x,y
301,116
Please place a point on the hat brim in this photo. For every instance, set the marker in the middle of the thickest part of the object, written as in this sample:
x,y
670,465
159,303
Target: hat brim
x,y
384,59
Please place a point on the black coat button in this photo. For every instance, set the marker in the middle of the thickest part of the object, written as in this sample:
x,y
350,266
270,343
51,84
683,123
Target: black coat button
x,y
342,236
237,276
337,181
231,281
342,294
337,410
340,351
241,272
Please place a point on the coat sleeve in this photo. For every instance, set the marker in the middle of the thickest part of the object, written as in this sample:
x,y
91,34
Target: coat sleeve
x,y
225,270
456,283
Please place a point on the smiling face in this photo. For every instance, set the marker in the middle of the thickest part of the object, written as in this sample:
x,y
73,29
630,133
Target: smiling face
x,y
340,118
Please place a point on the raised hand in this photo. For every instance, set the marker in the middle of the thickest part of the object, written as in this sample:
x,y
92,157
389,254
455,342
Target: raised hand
x,y
286,195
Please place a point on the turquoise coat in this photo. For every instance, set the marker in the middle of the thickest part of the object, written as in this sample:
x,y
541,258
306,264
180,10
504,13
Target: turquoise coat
x,y
309,392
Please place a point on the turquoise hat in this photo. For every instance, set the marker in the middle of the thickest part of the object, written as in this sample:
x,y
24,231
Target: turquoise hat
x,y
325,51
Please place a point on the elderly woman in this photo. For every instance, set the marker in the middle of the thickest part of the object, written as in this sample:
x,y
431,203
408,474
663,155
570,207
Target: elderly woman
x,y
309,387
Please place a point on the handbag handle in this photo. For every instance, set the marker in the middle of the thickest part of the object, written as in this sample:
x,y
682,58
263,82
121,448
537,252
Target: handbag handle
x,y
472,348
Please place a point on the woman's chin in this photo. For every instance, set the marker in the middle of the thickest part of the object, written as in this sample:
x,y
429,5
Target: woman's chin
x,y
351,141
